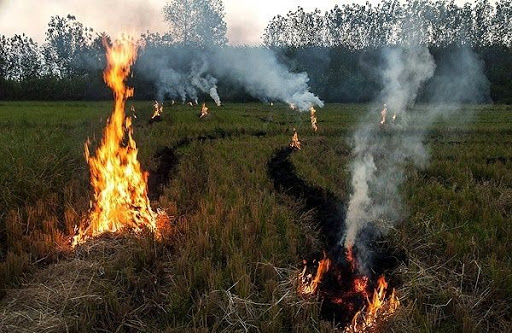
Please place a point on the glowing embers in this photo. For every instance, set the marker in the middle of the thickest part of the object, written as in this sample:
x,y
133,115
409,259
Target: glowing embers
x,y
356,301
295,143
120,186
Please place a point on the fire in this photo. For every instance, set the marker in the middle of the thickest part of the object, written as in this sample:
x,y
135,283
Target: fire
x,y
308,285
190,103
361,308
204,111
312,116
383,114
295,140
120,186
159,109
293,106
134,113
377,308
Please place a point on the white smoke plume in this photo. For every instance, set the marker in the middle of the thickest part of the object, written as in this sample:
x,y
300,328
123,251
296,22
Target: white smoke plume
x,y
260,73
182,72
179,83
381,153
207,84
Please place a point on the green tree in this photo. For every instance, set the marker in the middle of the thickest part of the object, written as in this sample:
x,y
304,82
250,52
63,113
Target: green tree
x,y
67,46
196,22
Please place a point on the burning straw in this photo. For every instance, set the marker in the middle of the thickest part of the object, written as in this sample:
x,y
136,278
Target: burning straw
x,y
119,184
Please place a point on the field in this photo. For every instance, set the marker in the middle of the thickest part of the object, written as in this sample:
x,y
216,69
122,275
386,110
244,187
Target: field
x,y
236,242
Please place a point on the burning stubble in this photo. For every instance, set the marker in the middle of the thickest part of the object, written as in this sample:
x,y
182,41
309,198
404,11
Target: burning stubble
x,y
119,184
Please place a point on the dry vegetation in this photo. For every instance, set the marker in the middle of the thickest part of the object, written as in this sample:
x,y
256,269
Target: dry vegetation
x,y
230,257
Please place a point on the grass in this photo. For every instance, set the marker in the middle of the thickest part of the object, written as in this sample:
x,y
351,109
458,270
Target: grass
x,y
232,256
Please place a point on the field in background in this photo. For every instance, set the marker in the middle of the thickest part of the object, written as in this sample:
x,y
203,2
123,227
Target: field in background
x,y
236,244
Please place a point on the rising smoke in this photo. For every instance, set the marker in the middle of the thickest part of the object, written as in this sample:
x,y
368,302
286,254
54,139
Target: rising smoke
x,y
382,152
183,72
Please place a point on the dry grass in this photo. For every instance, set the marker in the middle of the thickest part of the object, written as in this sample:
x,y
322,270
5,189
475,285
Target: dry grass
x,y
230,262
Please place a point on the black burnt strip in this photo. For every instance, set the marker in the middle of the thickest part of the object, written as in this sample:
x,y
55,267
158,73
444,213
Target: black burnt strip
x,y
328,210
168,159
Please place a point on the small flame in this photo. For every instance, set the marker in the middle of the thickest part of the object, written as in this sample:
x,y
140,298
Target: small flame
x,y
295,140
393,118
159,109
293,106
134,114
204,111
379,307
190,103
309,285
120,186
383,114
312,116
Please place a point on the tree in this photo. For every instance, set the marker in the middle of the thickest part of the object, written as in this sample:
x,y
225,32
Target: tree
x,y
196,22
23,60
67,46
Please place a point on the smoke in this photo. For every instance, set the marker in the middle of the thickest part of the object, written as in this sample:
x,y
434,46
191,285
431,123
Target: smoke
x,y
207,84
382,152
184,72
178,73
264,77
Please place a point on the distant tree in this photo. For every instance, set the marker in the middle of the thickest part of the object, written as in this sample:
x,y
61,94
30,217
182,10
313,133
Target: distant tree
x,y
196,22
23,58
154,39
67,46
3,57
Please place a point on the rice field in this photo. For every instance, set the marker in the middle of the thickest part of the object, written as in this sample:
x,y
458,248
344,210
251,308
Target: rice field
x,y
234,246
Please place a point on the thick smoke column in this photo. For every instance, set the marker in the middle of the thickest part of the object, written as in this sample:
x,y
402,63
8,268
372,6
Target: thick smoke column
x,y
260,73
382,152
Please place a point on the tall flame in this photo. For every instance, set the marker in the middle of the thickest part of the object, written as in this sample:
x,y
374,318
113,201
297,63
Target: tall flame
x,y
119,184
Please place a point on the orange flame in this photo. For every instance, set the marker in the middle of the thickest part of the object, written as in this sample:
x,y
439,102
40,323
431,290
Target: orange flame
x,y
204,111
308,287
312,117
295,143
120,186
159,109
378,308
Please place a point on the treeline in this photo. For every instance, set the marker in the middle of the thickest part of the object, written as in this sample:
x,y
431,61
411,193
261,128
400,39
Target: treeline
x,y
340,50
392,22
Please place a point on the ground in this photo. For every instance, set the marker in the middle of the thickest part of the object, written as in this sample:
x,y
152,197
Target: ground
x,y
234,246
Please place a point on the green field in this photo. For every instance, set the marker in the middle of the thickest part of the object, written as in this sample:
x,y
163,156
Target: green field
x,y
231,260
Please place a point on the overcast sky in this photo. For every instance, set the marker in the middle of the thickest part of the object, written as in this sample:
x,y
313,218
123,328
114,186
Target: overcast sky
x,y
246,19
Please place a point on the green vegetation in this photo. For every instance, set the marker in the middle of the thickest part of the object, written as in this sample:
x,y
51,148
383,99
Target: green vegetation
x,y
231,258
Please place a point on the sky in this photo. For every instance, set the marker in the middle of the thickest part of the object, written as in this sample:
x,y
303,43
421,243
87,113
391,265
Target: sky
x,y
246,19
